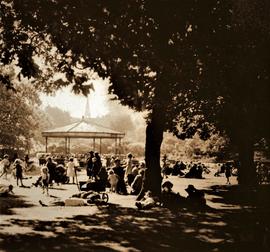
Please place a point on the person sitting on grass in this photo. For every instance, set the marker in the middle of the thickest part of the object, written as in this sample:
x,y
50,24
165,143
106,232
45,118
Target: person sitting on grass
x,y
147,202
6,190
195,197
169,198
137,183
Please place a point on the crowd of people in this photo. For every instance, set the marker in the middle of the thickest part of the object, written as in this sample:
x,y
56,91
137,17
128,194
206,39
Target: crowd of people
x,y
120,176
187,170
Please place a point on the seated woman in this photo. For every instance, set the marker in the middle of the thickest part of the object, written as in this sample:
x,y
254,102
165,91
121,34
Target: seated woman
x,y
136,185
99,184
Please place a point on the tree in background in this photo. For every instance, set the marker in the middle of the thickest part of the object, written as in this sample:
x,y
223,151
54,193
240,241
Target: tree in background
x,y
18,117
58,117
233,93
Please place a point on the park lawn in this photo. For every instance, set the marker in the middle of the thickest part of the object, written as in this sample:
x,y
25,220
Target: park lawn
x,y
234,221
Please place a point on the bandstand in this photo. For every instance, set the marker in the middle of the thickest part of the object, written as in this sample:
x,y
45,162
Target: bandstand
x,y
84,129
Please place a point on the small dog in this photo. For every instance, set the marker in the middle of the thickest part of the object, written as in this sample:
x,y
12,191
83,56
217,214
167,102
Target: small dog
x,y
113,180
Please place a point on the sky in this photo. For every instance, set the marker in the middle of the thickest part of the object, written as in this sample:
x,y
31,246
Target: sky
x,y
76,104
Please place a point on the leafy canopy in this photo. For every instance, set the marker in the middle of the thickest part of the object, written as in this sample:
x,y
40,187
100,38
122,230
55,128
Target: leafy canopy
x,y
203,64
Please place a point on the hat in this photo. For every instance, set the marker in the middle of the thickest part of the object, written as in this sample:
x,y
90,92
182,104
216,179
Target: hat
x,y
190,188
129,155
17,161
6,156
167,184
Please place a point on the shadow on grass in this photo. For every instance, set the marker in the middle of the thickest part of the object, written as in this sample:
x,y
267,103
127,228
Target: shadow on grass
x,y
12,201
114,228
235,195
124,229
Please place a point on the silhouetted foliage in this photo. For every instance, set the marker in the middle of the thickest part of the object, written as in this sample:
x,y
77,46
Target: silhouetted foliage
x,y
196,66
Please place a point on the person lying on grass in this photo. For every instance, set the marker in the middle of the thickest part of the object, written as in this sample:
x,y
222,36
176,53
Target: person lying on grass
x,y
80,199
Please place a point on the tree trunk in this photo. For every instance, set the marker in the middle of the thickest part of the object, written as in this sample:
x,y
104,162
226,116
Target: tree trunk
x,y
247,174
154,137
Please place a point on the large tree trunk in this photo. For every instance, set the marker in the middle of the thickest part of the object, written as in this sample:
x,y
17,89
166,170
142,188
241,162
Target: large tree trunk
x,y
154,137
247,173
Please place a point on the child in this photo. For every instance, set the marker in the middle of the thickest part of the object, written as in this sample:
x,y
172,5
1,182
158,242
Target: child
x,y
71,170
147,202
45,179
113,180
18,172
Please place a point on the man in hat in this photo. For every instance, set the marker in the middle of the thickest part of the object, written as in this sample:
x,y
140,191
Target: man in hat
x,y
195,196
169,198
5,165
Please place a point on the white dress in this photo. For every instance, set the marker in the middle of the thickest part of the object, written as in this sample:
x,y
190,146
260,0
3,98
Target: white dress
x,y
70,169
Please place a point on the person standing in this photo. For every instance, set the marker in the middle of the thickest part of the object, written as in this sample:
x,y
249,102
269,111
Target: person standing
x,y
45,179
128,173
89,165
51,167
96,167
119,171
18,172
228,173
71,170
5,165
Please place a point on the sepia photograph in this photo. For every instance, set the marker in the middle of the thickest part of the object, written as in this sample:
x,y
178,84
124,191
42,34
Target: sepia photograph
x,y
135,125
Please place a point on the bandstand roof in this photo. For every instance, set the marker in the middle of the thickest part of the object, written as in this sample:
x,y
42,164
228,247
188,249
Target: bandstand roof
x,y
83,129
